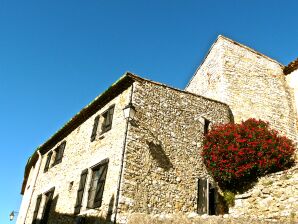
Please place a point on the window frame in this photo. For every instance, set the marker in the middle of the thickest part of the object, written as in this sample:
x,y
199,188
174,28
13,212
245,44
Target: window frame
x,y
107,119
206,204
47,204
59,152
104,120
95,192
48,161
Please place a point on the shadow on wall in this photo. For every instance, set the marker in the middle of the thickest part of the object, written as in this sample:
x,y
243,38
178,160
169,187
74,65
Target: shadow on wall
x,y
159,155
62,218
231,115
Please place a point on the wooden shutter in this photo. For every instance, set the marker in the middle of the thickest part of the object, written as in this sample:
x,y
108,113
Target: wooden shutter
x,y
47,207
202,200
37,205
80,192
48,161
100,186
110,115
94,130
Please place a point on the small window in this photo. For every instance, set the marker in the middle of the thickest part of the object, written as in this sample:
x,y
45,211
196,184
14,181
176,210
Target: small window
x,y
49,157
59,152
97,185
206,126
106,124
107,120
80,192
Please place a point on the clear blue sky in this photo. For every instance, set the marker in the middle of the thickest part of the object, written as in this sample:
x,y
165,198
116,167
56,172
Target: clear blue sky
x,y
57,55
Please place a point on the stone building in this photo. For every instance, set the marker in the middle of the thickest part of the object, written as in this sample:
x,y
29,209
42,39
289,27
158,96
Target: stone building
x,y
102,166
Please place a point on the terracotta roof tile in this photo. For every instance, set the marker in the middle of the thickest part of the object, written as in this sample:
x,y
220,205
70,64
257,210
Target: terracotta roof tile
x,y
291,67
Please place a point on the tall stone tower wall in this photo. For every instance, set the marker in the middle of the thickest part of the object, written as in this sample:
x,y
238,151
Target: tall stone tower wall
x,y
252,84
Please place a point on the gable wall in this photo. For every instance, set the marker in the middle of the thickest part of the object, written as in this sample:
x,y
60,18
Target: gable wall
x,y
251,84
162,159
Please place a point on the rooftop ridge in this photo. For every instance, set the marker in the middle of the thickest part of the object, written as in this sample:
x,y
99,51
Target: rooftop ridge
x,y
250,49
136,77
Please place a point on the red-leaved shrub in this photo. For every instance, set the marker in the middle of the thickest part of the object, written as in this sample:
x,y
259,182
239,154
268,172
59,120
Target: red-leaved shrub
x,y
235,152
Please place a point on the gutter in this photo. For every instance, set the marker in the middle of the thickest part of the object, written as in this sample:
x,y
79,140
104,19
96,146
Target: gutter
x,y
122,162
22,218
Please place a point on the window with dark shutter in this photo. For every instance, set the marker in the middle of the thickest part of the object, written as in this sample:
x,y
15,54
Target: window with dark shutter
x,y
49,157
59,152
202,199
94,130
37,205
80,192
206,126
97,185
207,197
47,206
107,119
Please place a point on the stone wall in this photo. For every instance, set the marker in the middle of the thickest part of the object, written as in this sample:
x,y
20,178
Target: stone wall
x,y
273,197
191,218
252,84
80,153
292,81
163,162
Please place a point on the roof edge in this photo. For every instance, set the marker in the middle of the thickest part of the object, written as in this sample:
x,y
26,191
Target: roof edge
x,y
138,78
121,84
292,66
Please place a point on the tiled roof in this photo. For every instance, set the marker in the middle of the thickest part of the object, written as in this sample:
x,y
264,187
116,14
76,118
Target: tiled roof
x,y
291,67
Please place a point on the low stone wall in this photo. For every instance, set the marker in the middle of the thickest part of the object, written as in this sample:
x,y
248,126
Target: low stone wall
x,y
274,196
140,218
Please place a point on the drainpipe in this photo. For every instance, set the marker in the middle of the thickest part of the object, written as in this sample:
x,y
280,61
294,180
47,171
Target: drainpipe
x,y
22,218
122,161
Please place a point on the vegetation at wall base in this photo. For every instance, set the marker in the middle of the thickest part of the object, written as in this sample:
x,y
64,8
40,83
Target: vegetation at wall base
x,y
237,154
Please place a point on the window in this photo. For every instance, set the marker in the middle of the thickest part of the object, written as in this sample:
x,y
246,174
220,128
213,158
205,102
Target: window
x,y
37,205
206,199
206,126
43,207
106,125
49,157
98,179
47,206
59,153
80,192
108,118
